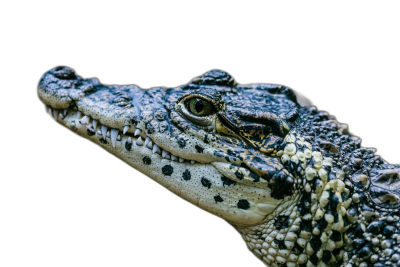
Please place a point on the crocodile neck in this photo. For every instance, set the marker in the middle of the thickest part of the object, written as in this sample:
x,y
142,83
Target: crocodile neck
x,y
325,223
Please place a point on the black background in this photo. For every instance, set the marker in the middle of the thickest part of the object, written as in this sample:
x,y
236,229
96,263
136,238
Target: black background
x,y
80,204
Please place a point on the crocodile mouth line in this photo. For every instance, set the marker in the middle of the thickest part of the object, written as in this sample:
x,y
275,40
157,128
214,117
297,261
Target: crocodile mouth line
x,y
131,134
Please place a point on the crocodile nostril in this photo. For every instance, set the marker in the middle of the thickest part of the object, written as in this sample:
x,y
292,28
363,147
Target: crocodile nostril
x,y
64,73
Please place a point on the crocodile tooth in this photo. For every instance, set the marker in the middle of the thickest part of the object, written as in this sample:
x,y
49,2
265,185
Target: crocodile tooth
x,y
72,123
78,114
104,131
108,134
168,156
192,162
48,110
126,128
85,120
174,158
155,148
149,145
147,141
139,141
99,132
181,160
55,114
164,153
94,124
119,138
114,133
65,112
129,141
137,132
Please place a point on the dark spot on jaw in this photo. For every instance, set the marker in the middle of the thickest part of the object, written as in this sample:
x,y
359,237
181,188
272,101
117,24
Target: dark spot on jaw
x,y
103,141
218,154
243,204
218,198
255,177
186,175
206,139
90,132
181,142
150,130
227,181
239,175
128,146
146,160
167,170
133,121
243,165
199,149
206,183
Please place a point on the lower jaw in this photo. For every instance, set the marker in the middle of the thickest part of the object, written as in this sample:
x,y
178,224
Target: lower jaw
x,y
152,164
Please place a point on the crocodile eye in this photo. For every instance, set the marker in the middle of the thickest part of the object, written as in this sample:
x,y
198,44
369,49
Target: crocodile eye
x,y
200,107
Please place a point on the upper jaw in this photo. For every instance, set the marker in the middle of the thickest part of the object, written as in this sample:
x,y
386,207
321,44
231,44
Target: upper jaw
x,y
125,137
111,111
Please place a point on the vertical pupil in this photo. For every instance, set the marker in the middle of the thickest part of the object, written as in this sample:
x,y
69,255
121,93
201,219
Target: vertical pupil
x,y
199,105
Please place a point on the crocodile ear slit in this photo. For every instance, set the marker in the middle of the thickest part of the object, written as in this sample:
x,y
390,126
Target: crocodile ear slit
x,y
389,178
385,187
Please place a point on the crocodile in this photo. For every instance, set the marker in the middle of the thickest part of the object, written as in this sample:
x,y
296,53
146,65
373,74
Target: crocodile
x,y
293,181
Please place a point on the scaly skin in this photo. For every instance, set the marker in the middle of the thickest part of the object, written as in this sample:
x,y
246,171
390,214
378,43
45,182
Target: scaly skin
x,y
292,180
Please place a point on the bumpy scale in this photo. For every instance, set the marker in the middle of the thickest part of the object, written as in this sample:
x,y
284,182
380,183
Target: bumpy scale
x,y
292,180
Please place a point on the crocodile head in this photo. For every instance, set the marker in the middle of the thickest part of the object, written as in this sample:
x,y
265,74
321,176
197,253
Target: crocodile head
x,y
292,180
211,141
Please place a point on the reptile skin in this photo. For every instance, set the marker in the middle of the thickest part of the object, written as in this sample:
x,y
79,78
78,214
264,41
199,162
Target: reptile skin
x,y
299,188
